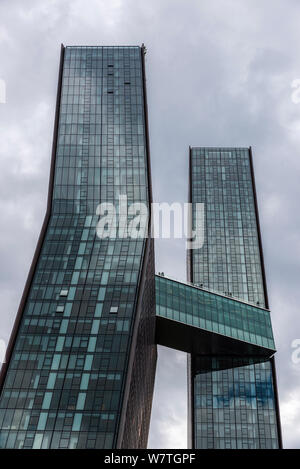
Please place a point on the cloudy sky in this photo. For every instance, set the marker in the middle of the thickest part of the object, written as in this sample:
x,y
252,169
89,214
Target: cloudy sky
x,y
219,73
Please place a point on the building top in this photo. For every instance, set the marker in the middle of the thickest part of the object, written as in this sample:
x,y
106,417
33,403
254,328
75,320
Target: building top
x,y
219,148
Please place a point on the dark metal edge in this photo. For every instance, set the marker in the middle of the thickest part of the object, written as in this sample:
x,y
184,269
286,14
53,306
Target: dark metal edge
x,y
258,229
143,53
189,255
190,374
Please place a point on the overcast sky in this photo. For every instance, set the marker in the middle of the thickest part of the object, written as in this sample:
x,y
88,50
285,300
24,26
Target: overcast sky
x,y
219,73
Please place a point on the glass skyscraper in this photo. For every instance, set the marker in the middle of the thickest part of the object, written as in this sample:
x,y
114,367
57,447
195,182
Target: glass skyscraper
x,y
233,399
85,327
81,361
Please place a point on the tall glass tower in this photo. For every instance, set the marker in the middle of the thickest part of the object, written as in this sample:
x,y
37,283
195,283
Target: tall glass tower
x,y
233,399
80,365
84,333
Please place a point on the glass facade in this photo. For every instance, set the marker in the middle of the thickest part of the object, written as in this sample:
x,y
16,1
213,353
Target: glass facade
x,y
73,374
229,260
212,312
235,406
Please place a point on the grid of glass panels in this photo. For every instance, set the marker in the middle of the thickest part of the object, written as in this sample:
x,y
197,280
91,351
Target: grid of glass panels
x,y
229,261
234,404
64,384
215,313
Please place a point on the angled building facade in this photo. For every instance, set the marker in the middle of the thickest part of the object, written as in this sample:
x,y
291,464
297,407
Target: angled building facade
x,y
233,399
81,361
84,332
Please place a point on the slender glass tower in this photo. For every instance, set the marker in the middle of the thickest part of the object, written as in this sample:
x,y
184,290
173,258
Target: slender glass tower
x,y
84,334
233,399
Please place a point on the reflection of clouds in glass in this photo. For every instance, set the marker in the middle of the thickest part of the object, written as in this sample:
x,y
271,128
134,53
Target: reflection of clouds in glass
x,y
238,393
261,391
